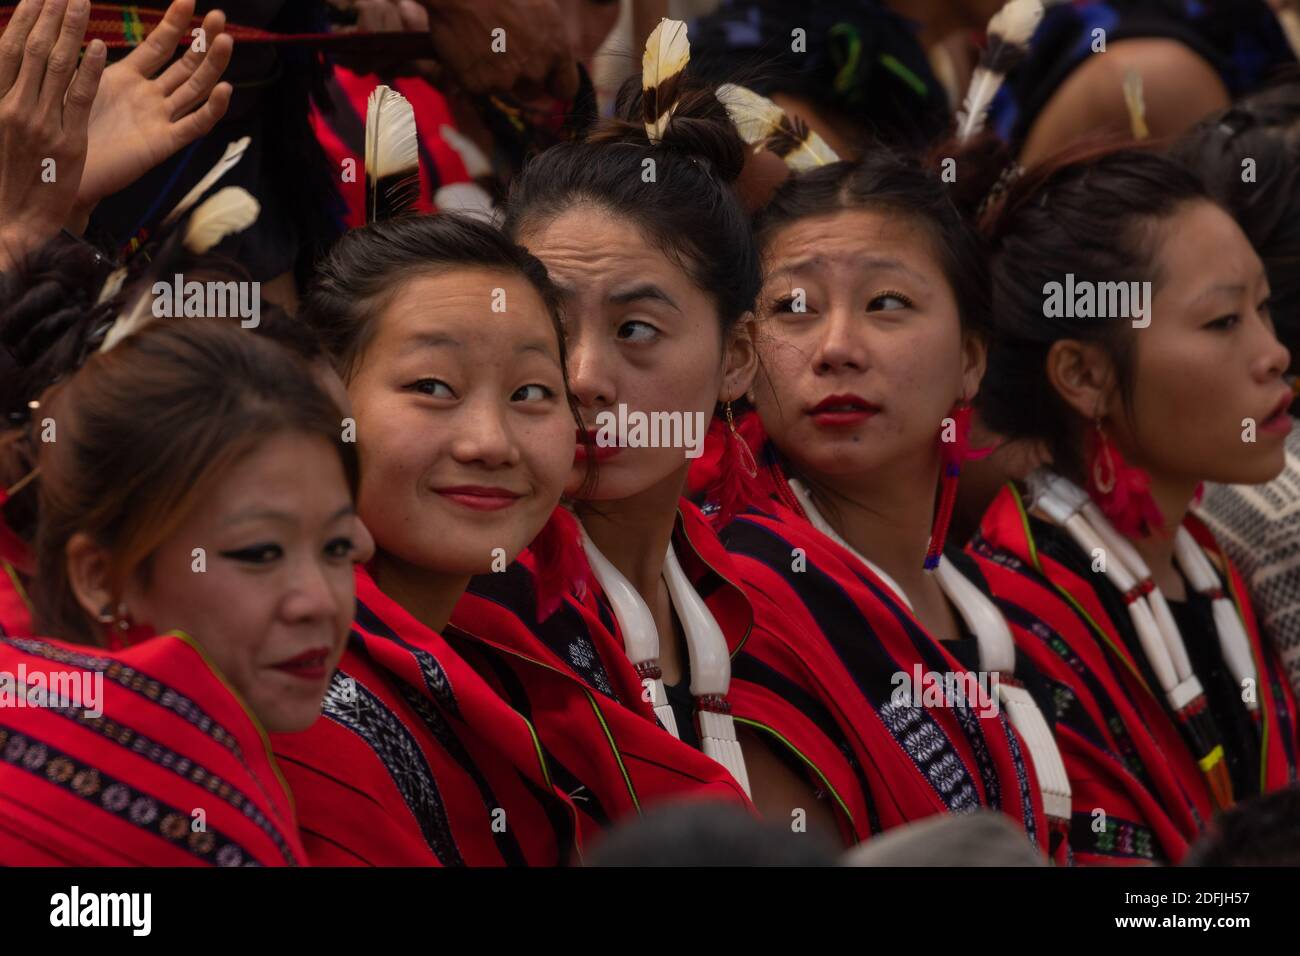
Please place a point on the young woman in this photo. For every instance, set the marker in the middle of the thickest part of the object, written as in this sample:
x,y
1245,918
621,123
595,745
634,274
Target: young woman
x,y
1258,526
447,336
658,273
192,484
870,343
1137,407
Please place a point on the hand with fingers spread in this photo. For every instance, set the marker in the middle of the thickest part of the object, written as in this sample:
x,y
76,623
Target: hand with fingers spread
x,y
45,104
140,119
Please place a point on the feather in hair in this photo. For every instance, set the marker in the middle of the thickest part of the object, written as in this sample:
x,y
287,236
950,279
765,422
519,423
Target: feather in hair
x,y
233,154
764,125
1009,33
131,320
1136,104
222,214
667,51
392,155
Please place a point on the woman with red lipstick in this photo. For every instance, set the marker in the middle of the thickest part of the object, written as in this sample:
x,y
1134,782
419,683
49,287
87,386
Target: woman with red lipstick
x,y
1167,665
657,277
196,488
448,338
869,336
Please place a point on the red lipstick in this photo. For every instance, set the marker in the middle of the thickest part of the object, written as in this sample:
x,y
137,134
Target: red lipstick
x,y
480,497
600,452
1279,420
838,411
309,665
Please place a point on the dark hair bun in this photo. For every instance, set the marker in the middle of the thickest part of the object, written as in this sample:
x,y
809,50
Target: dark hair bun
x,y
699,126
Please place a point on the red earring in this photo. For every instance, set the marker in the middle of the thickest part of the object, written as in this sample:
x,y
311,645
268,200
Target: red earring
x,y
1120,490
735,489
560,562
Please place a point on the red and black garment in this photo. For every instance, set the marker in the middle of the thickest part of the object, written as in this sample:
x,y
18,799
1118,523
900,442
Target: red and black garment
x,y
16,563
570,674
1122,748
138,757
417,762
819,673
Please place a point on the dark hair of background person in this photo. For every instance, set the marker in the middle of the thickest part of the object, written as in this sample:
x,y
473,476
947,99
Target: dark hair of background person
x,y
863,64
1261,831
689,211
706,834
145,431
1090,212
51,321
1263,128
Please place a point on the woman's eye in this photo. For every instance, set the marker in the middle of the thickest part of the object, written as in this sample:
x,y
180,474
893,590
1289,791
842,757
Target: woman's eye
x,y
432,386
1224,323
637,332
257,554
340,548
532,393
888,302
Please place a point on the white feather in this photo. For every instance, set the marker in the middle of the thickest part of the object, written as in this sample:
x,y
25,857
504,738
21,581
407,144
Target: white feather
x,y
233,154
1014,24
812,152
667,51
755,116
130,321
391,143
222,214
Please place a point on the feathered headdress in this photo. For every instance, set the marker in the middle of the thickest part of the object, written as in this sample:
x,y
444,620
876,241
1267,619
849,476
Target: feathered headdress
x,y
764,125
667,51
392,155
1009,32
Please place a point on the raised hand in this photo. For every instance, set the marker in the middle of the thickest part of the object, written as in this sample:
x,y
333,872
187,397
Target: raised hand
x,y
140,119
45,103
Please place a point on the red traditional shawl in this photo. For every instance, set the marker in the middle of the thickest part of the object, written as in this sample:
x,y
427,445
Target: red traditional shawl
x,y
15,561
416,761
572,677
819,670
1123,752
174,772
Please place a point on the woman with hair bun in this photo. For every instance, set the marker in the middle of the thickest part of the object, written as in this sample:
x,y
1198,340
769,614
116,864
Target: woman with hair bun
x,y
193,572
656,268
870,333
1163,662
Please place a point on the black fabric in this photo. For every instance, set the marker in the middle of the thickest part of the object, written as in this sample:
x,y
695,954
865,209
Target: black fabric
x,y
1195,619
683,705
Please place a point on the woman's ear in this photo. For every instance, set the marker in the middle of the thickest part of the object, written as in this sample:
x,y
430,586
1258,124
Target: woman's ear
x,y
974,361
739,360
88,567
1083,375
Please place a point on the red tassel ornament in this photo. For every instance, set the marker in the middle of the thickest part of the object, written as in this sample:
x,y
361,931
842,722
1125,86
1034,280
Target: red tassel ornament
x,y
561,564
736,488
952,455
1121,491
